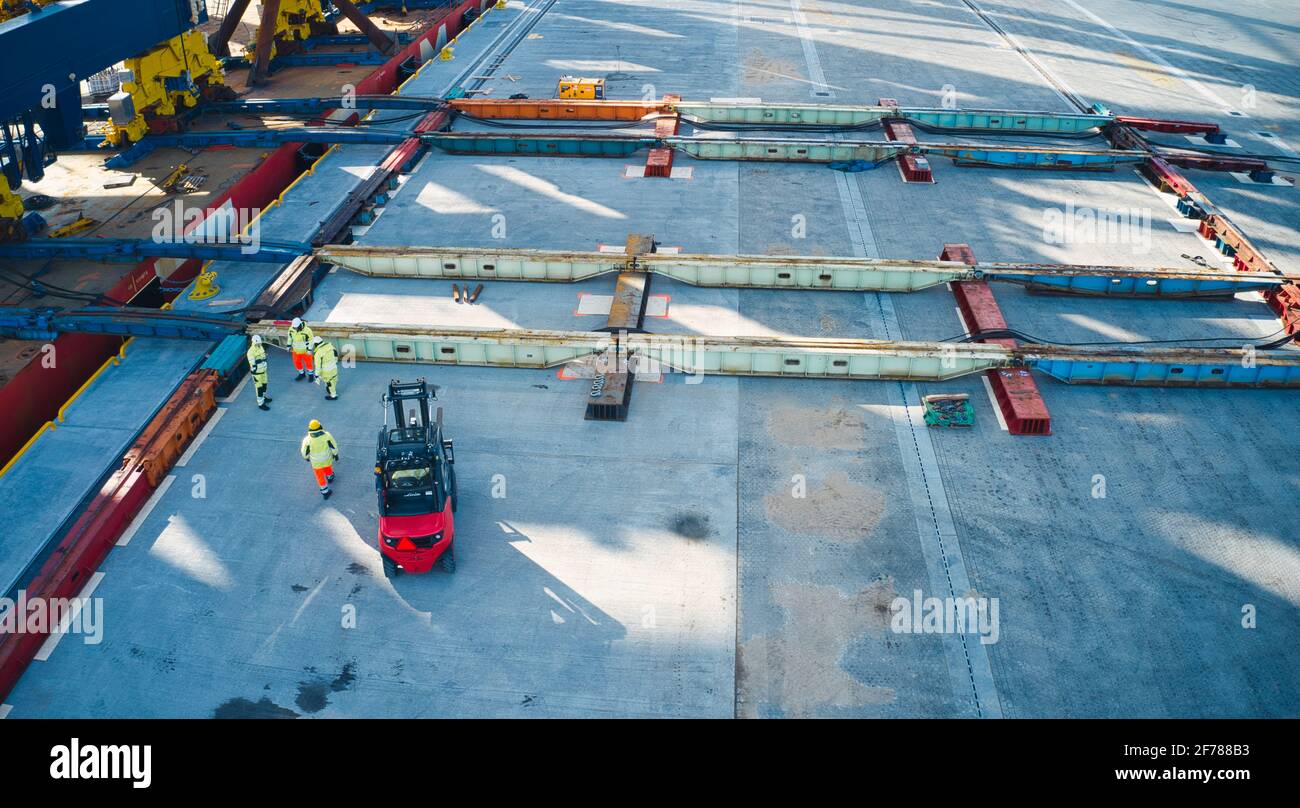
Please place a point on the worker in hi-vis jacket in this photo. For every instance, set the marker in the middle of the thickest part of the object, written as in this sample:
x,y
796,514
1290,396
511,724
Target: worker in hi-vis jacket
x,y
300,346
257,367
319,449
327,366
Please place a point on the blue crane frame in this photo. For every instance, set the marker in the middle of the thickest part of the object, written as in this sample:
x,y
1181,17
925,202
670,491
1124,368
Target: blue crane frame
x,y
53,48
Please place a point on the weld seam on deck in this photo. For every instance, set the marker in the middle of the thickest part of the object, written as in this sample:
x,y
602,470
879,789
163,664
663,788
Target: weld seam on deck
x,y
815,73
925,484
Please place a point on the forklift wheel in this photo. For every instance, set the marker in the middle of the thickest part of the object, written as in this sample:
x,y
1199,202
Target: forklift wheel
x,y
449,560
390,567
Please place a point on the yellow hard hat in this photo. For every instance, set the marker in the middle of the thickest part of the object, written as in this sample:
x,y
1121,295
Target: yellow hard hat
x,y
314,424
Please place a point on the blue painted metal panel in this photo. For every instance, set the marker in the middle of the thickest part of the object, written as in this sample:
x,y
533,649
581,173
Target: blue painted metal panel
x,y
1161,374
543,145
1048,159
228,356
1006,120
327,58
1136,287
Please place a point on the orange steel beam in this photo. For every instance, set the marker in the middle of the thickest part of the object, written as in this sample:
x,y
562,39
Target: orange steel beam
x,y
552,109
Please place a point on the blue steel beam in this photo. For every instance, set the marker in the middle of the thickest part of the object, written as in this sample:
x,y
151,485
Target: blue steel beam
x,y
328,58
1173,367
131,250
558,145
47,323
1137,286
991,120
349,39
296,106
1032,157
255,139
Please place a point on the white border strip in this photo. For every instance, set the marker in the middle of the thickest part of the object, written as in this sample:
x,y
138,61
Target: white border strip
x,y
53,640
202,436
130,532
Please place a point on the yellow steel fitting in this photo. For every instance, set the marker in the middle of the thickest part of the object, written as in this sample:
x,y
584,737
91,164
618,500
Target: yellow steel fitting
x,y
11,204
205,287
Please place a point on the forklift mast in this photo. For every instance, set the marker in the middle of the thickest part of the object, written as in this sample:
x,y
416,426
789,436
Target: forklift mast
x,y
414,422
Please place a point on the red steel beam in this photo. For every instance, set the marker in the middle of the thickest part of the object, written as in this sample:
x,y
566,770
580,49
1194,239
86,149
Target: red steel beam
x,y
1283,300
1172,127
1014,389
913,167
1217,162
1166,178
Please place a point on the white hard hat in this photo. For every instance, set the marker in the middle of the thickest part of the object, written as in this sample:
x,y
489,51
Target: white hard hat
x,y
297,322
317,340
257,339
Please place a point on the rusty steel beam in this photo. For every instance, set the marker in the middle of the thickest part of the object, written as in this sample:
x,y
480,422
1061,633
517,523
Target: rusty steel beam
x,y
219,40
551,109
261,69
382,42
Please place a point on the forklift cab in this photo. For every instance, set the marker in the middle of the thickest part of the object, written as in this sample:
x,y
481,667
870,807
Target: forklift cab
x,y
415,482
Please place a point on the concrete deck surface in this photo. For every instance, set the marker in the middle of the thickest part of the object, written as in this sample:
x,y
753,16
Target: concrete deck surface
x,y
664,566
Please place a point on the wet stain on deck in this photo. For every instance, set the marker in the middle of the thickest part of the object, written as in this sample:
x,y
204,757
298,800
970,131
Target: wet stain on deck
x,y
243,708
692,526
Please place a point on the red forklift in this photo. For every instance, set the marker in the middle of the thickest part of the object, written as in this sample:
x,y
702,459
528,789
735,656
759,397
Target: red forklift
x,y
415,481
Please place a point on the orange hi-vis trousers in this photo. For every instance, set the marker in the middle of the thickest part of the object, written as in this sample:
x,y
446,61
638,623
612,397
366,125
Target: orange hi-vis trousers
x,y
303,361
321,475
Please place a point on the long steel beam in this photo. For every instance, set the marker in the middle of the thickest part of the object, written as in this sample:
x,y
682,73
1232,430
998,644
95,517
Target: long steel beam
x,y
131,250
804,358
289,106
824,151
252,139
785,115
848,359
789,272
571,144
993,120
560,144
